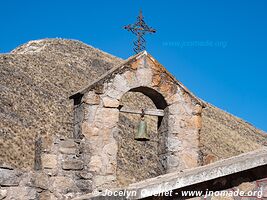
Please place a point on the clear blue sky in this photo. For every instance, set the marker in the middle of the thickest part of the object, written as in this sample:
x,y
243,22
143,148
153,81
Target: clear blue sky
x,y
216,48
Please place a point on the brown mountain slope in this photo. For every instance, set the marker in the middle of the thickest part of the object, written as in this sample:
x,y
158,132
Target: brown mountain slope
x,y
35,82
37,78
224,135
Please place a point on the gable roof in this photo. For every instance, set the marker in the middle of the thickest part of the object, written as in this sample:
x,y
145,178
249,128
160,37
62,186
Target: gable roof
x,y
128,61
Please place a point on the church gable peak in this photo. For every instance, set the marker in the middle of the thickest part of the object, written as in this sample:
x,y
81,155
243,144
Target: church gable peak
x,y
149,72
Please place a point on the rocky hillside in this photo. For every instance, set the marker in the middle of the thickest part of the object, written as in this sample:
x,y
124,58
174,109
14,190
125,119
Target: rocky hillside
x,y
36,80
223,135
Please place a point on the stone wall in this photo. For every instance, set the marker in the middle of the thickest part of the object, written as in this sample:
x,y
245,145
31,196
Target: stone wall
x,y
95,159
246,173
62,173
101,122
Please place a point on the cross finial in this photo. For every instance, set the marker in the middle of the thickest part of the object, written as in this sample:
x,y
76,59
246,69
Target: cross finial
x,y
139,28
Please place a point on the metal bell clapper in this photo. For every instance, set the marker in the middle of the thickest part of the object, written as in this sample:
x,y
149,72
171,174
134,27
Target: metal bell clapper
x,y
141,134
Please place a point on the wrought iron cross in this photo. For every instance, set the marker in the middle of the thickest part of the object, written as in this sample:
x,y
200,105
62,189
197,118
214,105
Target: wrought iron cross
x,y
139,28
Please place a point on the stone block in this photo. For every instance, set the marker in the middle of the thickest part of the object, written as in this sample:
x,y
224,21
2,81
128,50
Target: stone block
x,y
120,83
21,193
197,121
189,139
176,123
177,109
165,88
114,93
109,102
89,131
51,172
84,175
62,184
68,146
111,167
144,76
107,117
47,195
135,65
172,161
84,185
95,164
71,151
175,98
39,180
69,143
91,98
189,158
131,79
107,136
9,177
101,180
197,110
156,79
90,112
49,161
47,143
174,144
246,187
3,194
210,158
111,149
72,165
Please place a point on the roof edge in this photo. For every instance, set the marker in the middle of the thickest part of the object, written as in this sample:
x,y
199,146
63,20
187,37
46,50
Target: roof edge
x,y
89,86
135,57
202,103
177,180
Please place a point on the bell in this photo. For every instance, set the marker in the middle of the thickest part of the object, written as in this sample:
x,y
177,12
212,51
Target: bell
x,y
141,134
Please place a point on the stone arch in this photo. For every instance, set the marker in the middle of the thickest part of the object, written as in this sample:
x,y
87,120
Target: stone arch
x,y
154,95
157,98
139,160
101,108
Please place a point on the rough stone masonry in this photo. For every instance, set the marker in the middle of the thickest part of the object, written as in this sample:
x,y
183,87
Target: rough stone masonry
x,y
97,117
44,155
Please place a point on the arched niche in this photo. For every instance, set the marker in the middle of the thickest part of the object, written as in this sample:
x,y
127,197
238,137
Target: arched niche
x,y
139,160
154,95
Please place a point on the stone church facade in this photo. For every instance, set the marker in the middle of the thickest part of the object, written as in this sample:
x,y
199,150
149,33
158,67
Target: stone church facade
x,y
99,105
192,145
